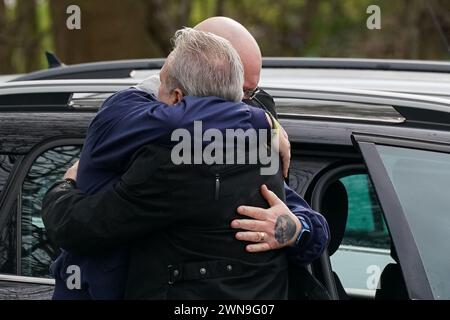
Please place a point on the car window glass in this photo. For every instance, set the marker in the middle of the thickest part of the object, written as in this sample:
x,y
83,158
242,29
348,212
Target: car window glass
x,y
8,242
37,251
421,180
365,225
9,227
364,249
6,163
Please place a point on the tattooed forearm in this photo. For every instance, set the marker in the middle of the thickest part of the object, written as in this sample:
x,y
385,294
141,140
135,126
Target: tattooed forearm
x,y
284,229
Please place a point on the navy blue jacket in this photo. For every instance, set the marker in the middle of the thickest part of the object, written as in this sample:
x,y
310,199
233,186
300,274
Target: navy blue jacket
x,y
127,121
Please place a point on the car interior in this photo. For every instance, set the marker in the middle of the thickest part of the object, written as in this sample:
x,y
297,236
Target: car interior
x,y
392,284
335,208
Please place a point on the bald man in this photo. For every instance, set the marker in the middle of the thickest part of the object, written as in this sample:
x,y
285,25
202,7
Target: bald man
x,y
244,43
250,54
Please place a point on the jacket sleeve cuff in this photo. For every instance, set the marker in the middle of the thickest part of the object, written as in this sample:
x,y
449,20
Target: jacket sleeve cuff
x,y
316,244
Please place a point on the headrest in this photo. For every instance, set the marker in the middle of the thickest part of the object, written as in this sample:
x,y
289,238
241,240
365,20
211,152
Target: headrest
x,y
335,209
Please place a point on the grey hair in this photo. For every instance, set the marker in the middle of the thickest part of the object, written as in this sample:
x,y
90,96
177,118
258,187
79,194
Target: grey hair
x,y
203,64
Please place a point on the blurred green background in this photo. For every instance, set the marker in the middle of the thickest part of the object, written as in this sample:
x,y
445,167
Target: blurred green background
x,y
125,29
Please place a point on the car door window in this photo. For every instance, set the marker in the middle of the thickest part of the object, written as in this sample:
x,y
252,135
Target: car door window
x,y
6,163
37,252
8,227
364,249
421,181
8,242
365,224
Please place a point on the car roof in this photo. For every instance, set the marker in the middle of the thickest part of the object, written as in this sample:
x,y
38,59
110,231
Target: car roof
x,y
8,77
111,85
429,83
407,76
124,68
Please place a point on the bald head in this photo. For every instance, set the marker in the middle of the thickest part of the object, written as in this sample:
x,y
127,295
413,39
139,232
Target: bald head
x,y
244,43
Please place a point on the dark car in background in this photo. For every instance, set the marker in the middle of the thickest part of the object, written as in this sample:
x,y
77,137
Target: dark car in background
x,y
375,163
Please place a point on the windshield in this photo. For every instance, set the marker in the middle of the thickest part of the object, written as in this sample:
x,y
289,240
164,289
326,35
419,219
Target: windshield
x,y
421,180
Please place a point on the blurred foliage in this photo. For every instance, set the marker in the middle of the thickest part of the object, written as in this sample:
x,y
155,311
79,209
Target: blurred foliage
x,y
124,29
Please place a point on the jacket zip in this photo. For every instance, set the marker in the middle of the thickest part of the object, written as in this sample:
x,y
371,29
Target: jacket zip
x,y
216,197
224,173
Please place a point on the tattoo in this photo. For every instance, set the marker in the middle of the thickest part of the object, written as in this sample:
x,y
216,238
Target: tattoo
x,y
284,229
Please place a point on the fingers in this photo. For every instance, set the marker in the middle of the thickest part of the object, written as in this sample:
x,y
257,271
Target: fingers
x,y
270,197
253,212
247,224
71,173
286,162
259,247
252,236
269,120
286,152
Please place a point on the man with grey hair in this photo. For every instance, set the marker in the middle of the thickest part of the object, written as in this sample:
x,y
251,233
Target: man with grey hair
x,y
263,222
127,121
214,67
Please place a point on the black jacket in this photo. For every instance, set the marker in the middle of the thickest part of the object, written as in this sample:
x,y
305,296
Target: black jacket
x,y
181,215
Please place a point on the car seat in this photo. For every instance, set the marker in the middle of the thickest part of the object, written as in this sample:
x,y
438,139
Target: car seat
x,y
392,284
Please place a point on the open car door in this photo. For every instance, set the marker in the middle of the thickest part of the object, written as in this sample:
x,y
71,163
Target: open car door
x,y
412,181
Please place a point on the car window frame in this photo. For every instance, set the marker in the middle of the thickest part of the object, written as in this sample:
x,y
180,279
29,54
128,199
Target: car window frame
x,y
13,190
7,189
347,171
327,159
331,175
411,264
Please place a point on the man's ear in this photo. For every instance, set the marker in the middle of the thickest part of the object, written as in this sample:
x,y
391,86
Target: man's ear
x,y
177,95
